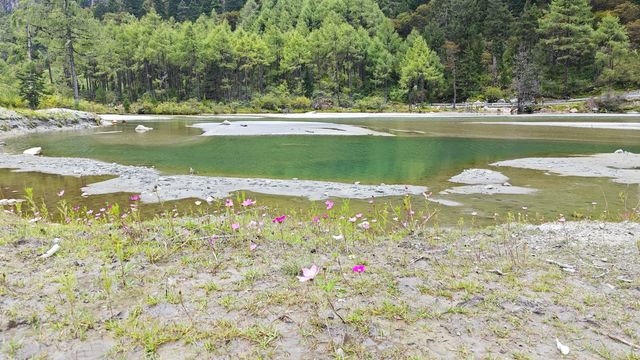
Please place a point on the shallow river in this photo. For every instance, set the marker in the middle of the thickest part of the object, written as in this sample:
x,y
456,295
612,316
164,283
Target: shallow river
x,y
425,151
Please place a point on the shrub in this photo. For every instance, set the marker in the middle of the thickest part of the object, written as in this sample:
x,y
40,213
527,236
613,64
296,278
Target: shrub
x,y
371,103
493,94
300,103
608,101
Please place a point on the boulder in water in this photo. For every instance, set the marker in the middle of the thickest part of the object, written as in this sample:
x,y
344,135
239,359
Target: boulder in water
x,y
143,129
33,151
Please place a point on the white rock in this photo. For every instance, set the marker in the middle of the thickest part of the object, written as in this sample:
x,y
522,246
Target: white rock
x,y
573,111
226,122
619,151
143,129
33,151
54,249
564,349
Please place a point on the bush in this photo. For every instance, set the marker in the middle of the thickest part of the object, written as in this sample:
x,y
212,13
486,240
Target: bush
x,y
493,94
607,102
371,103
300,103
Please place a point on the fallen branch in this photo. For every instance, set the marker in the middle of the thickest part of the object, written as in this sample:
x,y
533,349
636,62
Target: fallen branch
x,y
565,267
618,339
496,271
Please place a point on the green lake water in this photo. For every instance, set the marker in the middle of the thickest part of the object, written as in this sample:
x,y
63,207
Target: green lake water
x,y
424,152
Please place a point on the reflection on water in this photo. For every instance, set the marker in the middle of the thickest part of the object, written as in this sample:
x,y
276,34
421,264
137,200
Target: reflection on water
x,y
424,152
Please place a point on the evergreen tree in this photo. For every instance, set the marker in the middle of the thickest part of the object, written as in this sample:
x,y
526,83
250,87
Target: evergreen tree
x,y
31,84
566,31
420,69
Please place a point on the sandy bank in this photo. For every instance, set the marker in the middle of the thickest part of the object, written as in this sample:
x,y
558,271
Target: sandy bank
x,y
253,128
581,125
143,180
623,167
328,116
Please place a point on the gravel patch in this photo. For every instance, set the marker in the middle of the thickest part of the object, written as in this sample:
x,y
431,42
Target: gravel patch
x,y
155,187
622,167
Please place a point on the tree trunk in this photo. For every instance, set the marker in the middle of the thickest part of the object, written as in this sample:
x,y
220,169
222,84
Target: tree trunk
x,y
29,43
72,62
72,66
455,88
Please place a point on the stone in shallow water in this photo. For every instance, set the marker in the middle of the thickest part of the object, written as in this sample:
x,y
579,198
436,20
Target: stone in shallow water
x,y
479,177
33,151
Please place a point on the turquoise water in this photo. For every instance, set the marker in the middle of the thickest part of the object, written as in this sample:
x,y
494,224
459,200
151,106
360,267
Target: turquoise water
x,y
424,152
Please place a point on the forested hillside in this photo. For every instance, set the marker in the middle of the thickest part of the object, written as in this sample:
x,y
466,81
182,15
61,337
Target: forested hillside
x,y
276,54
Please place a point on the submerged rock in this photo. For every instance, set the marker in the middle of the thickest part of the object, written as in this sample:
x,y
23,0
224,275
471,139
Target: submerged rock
x,y
33,151
143,129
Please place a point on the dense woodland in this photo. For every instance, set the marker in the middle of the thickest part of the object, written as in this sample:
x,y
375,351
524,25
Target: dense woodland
x,y
275,54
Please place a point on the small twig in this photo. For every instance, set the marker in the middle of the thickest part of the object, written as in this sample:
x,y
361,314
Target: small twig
x,y
335,311
496,271
565,267
606,271
184,307
618,339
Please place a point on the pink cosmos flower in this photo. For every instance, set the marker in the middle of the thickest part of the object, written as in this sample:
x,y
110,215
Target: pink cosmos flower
x,y
253,246
365,225
562,220
76,208
89,212
316,219
235,226
358,215
134,198
359,268
248,202
103,209
279,219
309,274
329,204
228,203
353,219
61,193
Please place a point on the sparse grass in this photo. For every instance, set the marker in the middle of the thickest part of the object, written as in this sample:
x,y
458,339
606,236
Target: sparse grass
x,y
156,285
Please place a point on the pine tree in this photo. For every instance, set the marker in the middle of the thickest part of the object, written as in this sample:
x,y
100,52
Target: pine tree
x,y
31,84
566,31
420,68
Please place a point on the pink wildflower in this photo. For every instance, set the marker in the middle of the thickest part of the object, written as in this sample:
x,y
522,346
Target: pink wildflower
x,y
134,198
248,202
279,219
228,203
359,268
309,274
329,204
61,193
235,226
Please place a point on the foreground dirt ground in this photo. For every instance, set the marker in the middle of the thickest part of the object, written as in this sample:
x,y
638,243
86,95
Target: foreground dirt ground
x,y
168,290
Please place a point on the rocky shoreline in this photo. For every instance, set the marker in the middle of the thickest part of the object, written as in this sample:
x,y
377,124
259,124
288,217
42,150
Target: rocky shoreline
x,y
14,123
